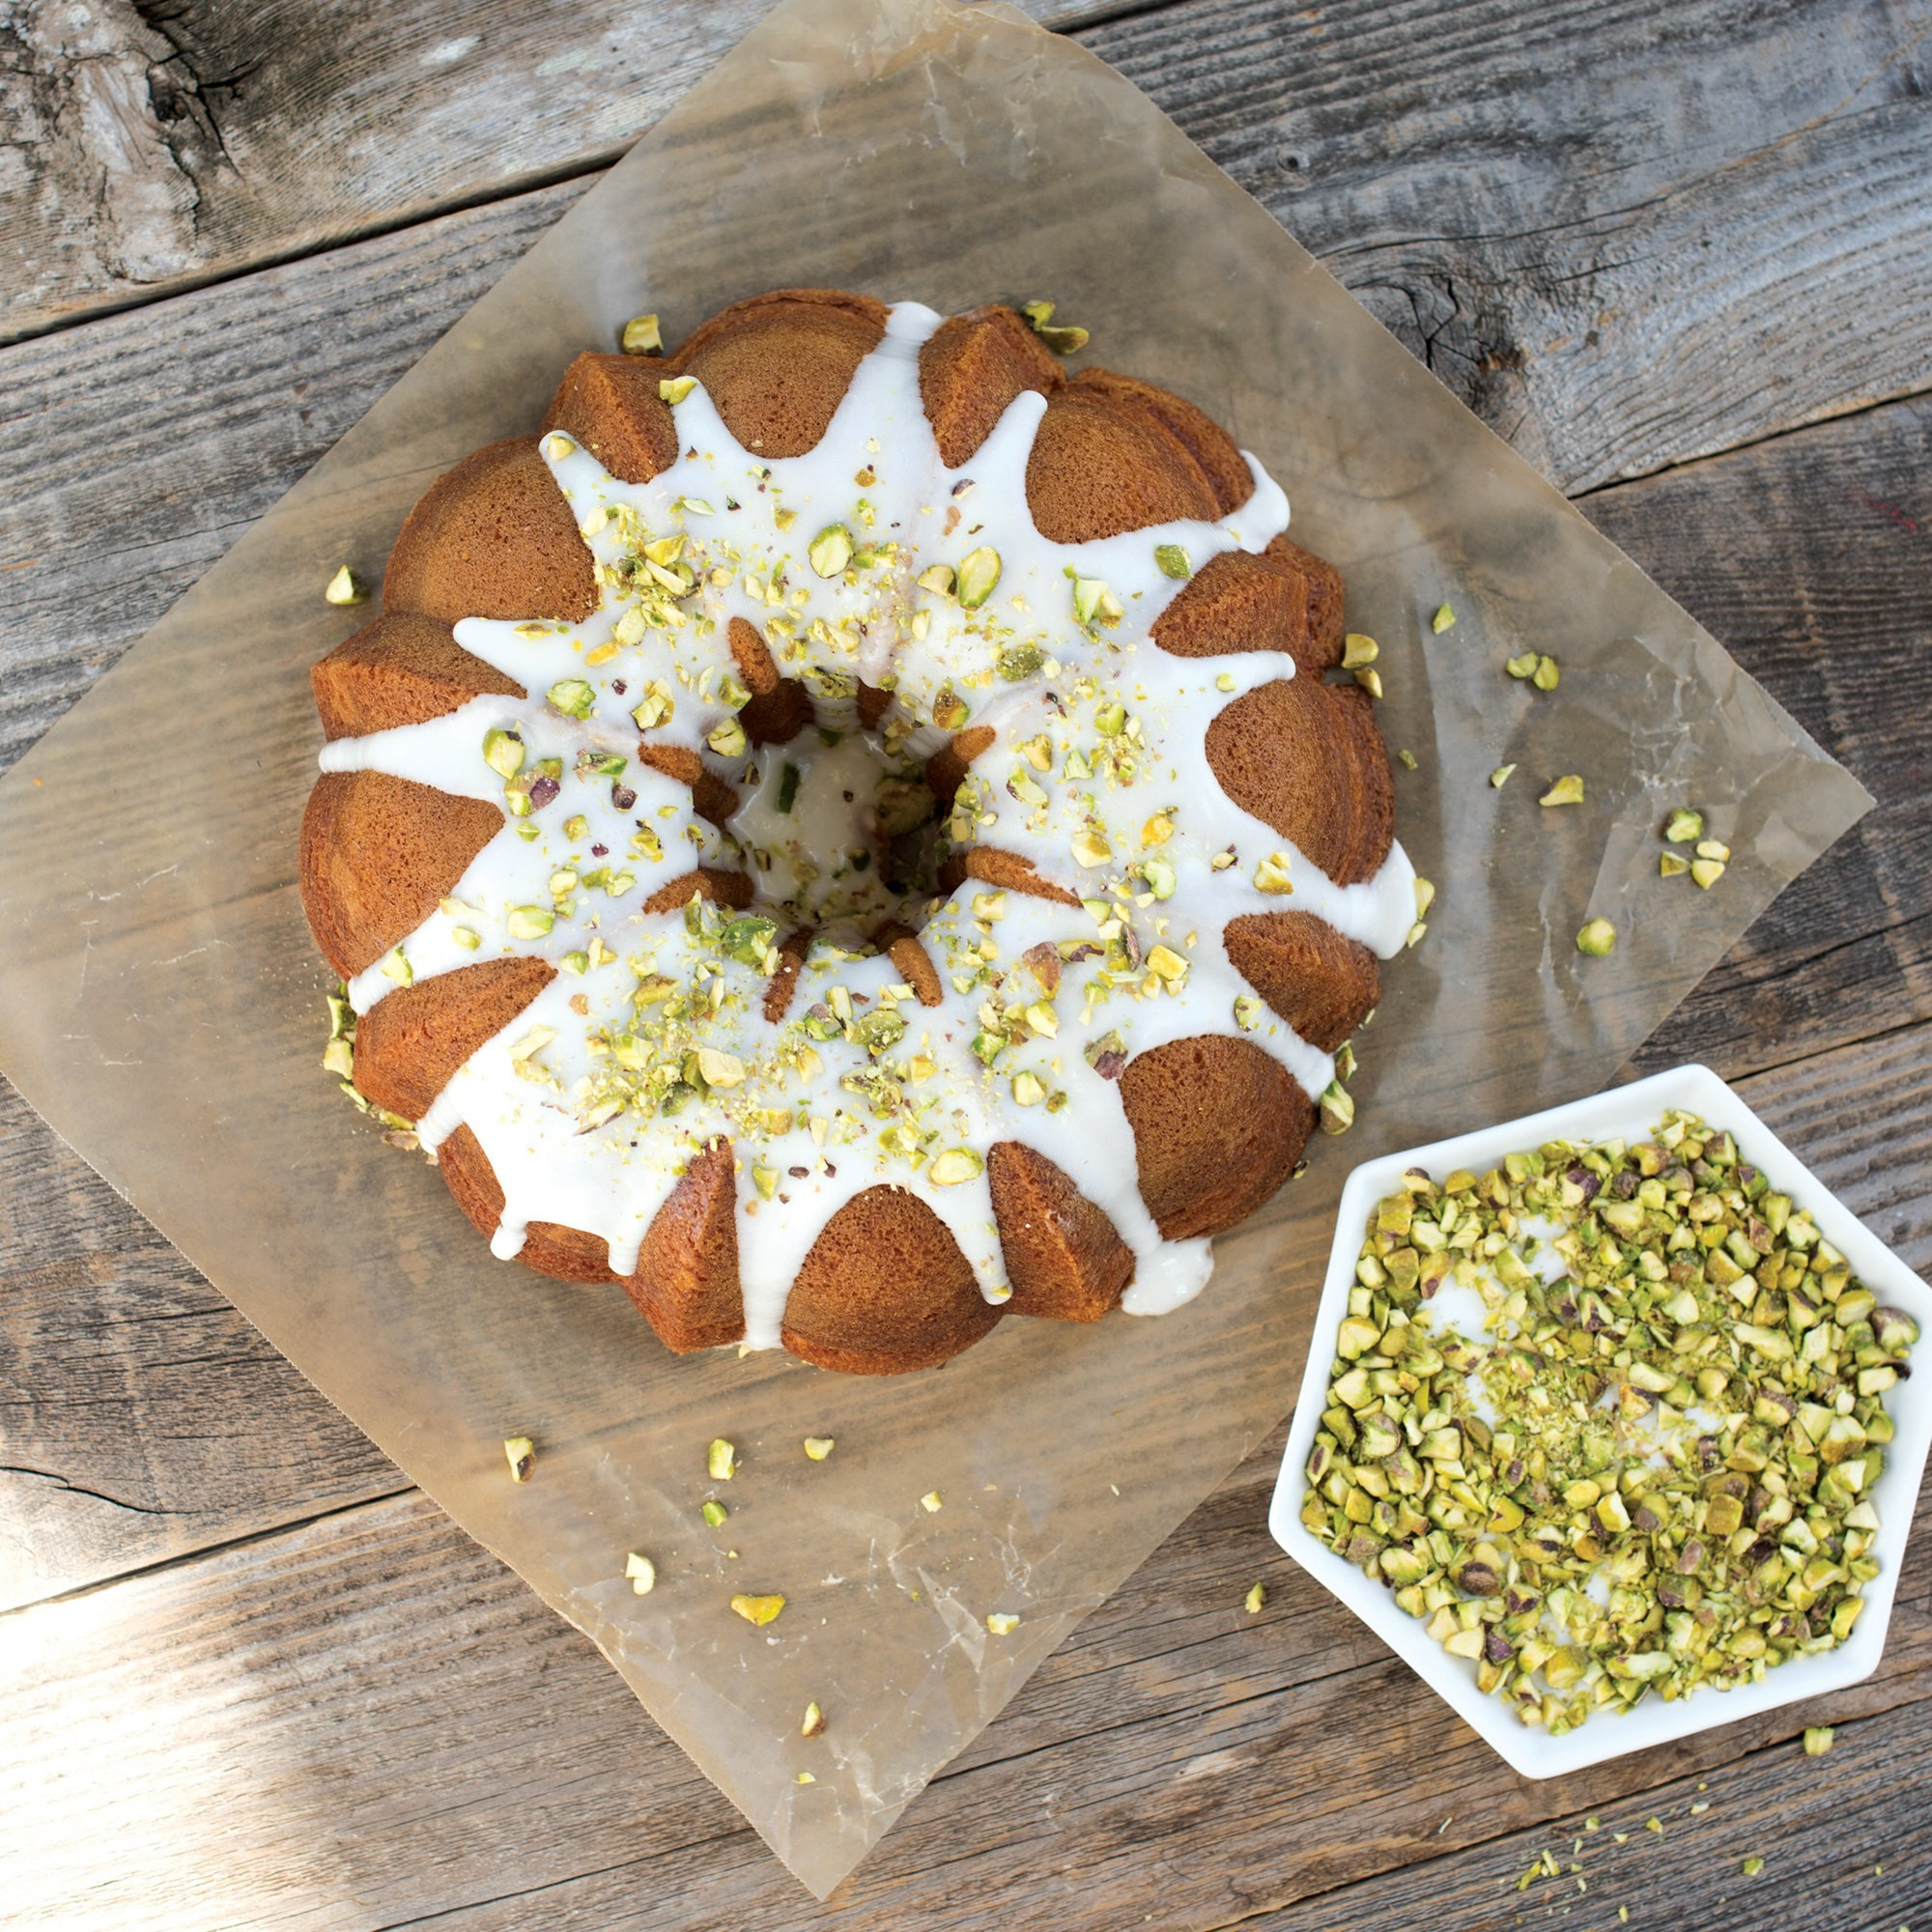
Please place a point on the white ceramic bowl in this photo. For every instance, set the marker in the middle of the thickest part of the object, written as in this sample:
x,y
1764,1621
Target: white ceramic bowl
x,y
1628,1113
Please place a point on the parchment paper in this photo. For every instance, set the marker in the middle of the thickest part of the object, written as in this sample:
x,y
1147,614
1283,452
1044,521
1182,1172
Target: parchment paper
x,y
159,995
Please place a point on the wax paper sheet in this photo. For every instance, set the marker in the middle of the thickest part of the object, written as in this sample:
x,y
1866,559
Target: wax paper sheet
x,y
159,997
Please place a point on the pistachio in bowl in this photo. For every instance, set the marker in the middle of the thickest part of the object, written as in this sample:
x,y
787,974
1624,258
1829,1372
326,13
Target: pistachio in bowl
x,y
1606,1412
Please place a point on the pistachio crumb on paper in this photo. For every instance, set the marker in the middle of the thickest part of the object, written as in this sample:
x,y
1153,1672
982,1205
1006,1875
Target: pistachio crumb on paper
x,y
640,1572
1002,1623
814,1721
521,1453
760,1610
818,1447
1597,939
1444,619
930,1502
720,1461
640,336
346,587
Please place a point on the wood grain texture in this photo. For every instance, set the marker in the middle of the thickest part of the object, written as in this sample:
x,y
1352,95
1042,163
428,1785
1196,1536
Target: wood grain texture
x,y
1622,233
1590,219
147,148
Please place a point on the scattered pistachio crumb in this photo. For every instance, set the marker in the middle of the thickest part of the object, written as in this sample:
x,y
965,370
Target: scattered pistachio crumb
x,y
760,1610
1683,827
1002,1622
720,1461
640,336
930,1502
1707,871
1257,1596
1358,649
1817,1740
814,1721
1370,679
640,1572
1598,938
346,587
818,1447
714,1512
806,1777
1545,677
1567,790
1407,760
1444,619
1752,1866
521,1455
1501,776
1654,1824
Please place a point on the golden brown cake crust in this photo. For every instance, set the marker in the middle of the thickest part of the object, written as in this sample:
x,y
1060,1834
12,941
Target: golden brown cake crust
x,y
884,1289
376,853
409,1046
611,404
1064,1258
399,670
493,538
1322,984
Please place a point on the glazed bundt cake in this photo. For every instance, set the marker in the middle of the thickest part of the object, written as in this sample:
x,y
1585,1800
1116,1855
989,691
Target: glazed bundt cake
x,y
845,834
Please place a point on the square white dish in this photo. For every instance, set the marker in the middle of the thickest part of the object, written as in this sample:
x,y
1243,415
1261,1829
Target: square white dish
x,y
1627,1113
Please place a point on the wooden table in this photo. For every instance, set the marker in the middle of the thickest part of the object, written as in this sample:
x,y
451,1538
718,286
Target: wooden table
x,y
1680,255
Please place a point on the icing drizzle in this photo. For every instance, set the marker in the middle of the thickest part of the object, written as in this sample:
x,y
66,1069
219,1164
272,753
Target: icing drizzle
x,y
865,559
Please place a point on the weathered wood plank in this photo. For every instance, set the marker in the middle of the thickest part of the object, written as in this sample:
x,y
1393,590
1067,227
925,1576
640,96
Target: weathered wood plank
x,y
1812,556
332,1740
145,148
1837,1845
1624,234
140,1416
356,1673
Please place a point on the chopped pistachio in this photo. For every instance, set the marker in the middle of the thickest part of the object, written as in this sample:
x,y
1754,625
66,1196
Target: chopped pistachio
x,y
1370,679
1336,1109
1598,938
804,1777
1028,1090
1357,650
1817,1740
760,1610
727,738
1248,1011
1752,1866
1172,560
818,1447
396,967
1257,1596
640,1572
675,389
937,577
1090,848
1713,848
339,1057
814,1721
930,1502
1272,874
521,1453
346,587
955,1165
1521,667
1684,826
1444,619
530,922
1614,1488
720,1461
1707,871
1087,595
1002,1623
831,550
1671,865
1501,776
503,751
1407,760
1564,791
978,575
713,1512
640,336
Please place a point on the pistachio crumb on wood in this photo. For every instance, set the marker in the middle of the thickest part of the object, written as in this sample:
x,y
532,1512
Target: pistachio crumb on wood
x,y
1652,1468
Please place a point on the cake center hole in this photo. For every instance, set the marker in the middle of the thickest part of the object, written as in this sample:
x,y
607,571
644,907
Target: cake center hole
x,y
839,835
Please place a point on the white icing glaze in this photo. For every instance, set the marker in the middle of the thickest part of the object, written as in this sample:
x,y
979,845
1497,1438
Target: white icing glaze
x,y
1097,775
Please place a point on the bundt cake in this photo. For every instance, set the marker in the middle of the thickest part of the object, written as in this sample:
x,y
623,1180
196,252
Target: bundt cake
x,y
845,833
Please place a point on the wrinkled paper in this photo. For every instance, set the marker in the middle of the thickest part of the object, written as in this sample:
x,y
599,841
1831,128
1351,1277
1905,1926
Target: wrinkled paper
x,y
161,999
